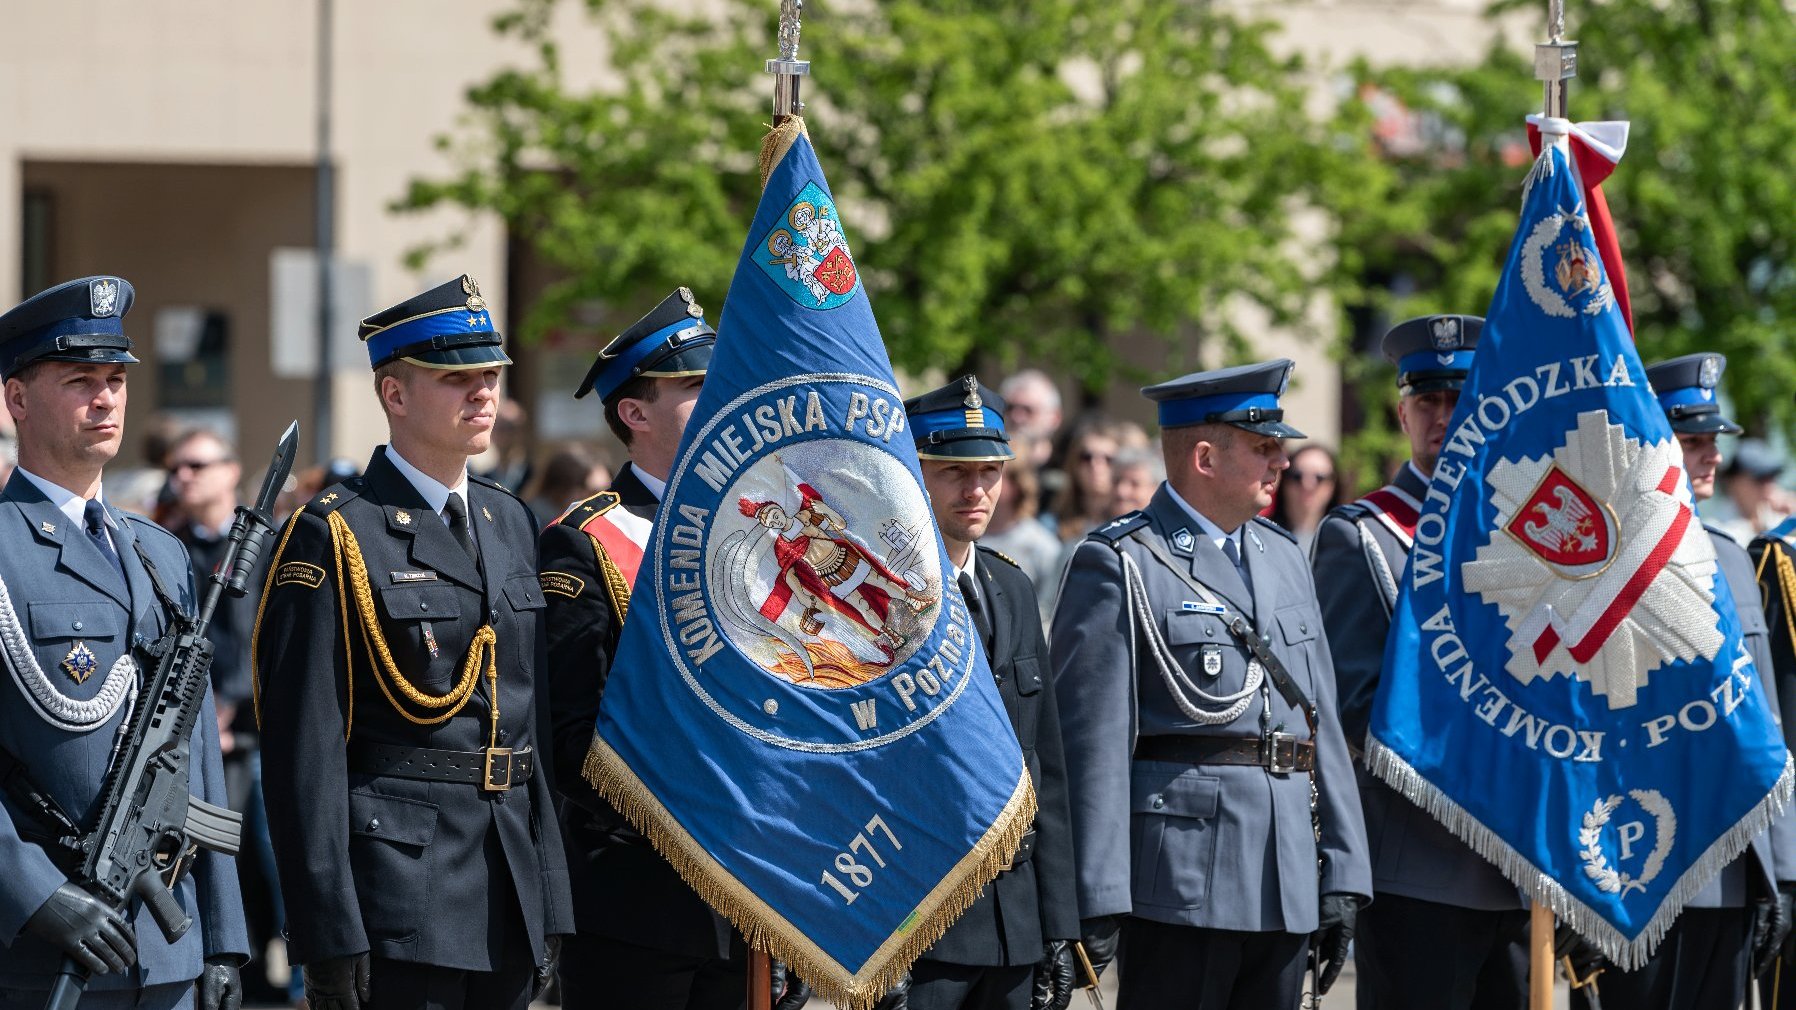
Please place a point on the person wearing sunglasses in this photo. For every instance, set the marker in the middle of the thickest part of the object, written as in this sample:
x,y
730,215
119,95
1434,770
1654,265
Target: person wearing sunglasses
x,y
1445,928
1305,493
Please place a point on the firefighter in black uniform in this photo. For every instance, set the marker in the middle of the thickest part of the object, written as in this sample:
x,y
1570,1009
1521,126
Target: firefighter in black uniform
x,y
1011,950
396,657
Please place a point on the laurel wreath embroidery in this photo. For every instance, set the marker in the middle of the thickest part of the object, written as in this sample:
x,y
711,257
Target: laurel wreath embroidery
x,y
1596,866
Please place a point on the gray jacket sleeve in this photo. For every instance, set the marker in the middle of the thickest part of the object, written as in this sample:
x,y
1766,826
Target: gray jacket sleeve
x,y
1354,616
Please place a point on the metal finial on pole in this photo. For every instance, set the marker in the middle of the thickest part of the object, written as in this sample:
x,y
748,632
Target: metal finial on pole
x,y
788,68
1556,61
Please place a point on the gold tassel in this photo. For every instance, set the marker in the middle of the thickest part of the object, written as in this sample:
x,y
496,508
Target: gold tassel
x,y
778,141
765,930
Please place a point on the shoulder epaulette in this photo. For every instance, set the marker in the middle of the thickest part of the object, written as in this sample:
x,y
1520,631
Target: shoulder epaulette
x,y
150,524
1784,532
335,497
1352,511
1113,531
1001,556
581,512
495,485
1276,528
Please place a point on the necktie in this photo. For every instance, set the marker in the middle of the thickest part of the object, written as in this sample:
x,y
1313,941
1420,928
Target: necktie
x,y
1233,550
95,515
981,620
456,511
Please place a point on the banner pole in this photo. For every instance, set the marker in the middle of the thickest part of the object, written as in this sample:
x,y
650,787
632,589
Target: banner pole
x,y
1540,958
760,981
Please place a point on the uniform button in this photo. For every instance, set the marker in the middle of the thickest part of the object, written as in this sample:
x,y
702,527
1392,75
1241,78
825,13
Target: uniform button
x,y
501,736
77,625
1159,802
1304,628
374,825
1210,632
492,615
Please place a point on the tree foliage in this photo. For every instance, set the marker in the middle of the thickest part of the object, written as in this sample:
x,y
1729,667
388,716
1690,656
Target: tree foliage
x,y
1020,178
1704,201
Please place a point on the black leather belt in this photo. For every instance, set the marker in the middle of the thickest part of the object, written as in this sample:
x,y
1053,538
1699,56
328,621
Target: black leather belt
x,y
1024,851
495,769
1279,753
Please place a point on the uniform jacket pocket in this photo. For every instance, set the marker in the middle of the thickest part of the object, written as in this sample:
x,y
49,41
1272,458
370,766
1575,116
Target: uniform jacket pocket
x,y
1173,816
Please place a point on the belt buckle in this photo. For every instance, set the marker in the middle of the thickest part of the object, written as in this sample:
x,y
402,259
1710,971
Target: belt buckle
x,y
1279,752
496,775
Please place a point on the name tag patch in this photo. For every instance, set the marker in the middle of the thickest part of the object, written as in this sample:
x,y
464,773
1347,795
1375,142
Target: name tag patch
x,y
413,576
562,584
299,573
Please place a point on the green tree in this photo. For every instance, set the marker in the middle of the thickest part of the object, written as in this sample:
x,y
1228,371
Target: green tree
x,y
1703,201
1020,178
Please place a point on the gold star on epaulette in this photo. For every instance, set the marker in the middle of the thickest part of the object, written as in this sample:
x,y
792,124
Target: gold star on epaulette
x,y
403,517
588,508
327,499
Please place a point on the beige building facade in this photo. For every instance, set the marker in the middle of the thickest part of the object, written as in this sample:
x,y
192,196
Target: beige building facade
x,y
173,143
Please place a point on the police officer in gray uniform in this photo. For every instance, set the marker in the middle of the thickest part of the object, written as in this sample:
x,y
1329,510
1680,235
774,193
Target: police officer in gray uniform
x,y
1741,917
76,595
1215,817
1447,929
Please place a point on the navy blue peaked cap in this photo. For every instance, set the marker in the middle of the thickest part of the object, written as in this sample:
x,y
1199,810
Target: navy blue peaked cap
x,y
79,320
1433,352
448,326
963,420
1688,389
673,340
1245,396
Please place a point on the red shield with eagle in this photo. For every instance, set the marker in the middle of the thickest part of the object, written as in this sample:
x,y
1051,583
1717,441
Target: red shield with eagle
x,y
1565,525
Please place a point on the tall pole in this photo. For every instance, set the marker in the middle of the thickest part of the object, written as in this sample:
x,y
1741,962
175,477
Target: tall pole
x,y
324,210
787,69
1555,64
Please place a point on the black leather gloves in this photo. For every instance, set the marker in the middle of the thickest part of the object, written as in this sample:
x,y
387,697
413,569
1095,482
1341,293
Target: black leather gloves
x,y
1332,937
1585,961
545,969
98,938
219,987
898,998
1054,977
1771,919
338,983
789,991
1101,935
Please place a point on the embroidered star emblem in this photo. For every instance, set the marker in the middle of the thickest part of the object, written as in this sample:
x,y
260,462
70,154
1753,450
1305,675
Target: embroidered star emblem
x,y
48,527
327,499
403,517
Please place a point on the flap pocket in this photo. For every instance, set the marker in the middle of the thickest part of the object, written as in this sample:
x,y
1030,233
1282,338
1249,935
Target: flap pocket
x,y
1185,794
392,818
423,602
525,592
1028,676
1186,628
76,620
1299,624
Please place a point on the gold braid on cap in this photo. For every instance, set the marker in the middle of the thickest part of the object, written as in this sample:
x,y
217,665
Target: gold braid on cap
x,y
386,672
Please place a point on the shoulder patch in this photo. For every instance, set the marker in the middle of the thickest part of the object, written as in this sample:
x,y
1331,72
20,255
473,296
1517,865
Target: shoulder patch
x,y
582,512
334,497
1001,556
1114,530
562,584
299,573
1276,528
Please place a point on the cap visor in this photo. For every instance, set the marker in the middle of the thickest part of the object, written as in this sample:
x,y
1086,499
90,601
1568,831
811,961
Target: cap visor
x,y
1706,424
478,356
1272,429
1433,386
967,450
92,356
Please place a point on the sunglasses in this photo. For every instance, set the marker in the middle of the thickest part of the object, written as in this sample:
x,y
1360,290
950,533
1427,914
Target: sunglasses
x,y
1307,478
196,465
1088,456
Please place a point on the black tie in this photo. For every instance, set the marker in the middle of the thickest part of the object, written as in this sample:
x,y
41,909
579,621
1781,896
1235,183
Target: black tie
x,y
981,620
95,514
457,511
1233,550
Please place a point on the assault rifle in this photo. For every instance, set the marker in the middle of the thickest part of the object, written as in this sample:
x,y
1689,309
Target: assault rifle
x,y
150,826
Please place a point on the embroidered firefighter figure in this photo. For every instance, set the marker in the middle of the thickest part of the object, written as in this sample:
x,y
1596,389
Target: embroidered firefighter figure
x,y
1597,564
80,663
1576,283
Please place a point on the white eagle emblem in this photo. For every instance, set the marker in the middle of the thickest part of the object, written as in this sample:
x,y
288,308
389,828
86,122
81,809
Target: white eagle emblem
x,y
1445,331
102,297
1598,564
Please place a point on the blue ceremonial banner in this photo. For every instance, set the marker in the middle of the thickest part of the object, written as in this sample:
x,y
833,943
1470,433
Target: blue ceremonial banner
x,y
1565,686
800,715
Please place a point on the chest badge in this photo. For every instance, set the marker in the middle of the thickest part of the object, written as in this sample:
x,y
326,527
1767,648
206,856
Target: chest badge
x,y
80,663
47,527
1182,541
1212,655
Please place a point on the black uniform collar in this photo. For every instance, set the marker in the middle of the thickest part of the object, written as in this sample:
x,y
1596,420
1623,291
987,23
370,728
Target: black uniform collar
x,y
632,493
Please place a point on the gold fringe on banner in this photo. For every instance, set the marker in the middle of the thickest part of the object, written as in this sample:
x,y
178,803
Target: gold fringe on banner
x,y
767,931
778,141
